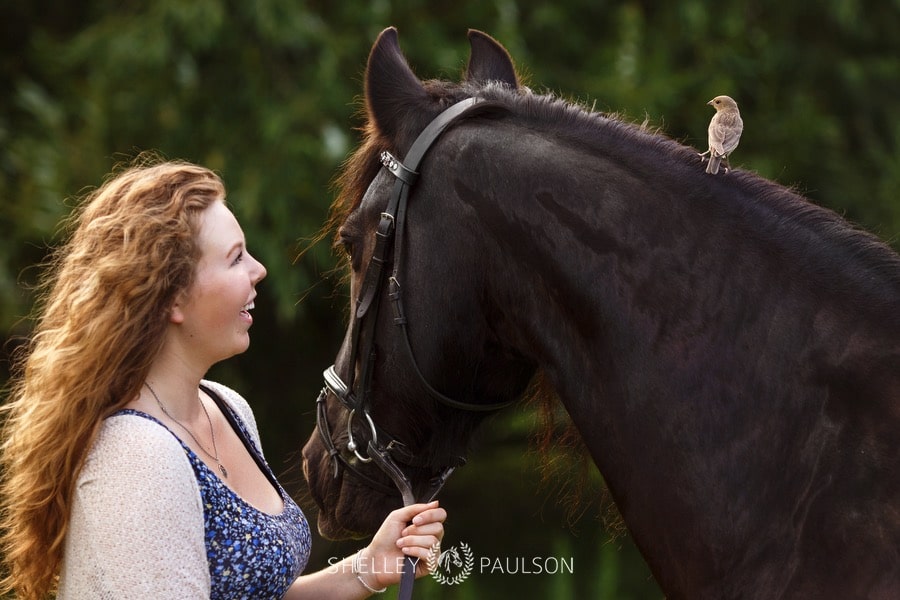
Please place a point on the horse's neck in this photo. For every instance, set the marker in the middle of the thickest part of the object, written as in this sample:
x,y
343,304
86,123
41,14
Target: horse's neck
x,y
685,355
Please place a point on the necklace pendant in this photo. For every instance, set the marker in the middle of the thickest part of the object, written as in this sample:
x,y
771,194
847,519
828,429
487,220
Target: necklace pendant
x,y
223,471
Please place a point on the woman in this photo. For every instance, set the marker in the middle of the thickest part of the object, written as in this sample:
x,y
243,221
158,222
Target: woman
x,y
126,474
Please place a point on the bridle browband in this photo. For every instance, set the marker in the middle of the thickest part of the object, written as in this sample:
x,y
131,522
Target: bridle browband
x,y
383,449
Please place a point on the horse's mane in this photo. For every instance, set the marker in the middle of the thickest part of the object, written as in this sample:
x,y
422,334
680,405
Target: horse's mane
x,y
760,199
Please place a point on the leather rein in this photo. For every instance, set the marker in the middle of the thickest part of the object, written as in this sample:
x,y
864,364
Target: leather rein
x,y
386,451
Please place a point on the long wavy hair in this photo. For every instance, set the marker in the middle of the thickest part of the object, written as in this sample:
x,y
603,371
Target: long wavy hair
x,y
101,313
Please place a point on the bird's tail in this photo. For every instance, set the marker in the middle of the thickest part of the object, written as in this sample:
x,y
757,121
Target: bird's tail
x,y
713,166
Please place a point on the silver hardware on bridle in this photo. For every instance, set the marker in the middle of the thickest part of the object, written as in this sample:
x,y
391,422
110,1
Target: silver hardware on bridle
x,y
351,444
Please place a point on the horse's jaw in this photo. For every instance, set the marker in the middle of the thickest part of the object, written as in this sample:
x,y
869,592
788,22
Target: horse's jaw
x,y
335,521
330,529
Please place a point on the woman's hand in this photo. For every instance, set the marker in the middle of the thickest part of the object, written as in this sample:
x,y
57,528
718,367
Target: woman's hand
x,y
381,563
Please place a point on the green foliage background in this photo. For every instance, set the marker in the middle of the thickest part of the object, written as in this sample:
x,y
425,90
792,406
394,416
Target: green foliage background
x,y
265,93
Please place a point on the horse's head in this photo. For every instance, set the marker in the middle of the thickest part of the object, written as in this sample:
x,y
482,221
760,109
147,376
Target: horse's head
x,y
422,361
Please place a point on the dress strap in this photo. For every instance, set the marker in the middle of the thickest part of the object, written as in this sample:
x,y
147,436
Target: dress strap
x,y
238,428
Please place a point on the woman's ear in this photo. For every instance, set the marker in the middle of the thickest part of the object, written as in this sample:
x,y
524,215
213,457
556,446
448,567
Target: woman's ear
x,y
176,312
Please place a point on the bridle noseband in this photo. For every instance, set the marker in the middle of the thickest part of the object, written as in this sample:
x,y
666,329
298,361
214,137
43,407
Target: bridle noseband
x,y
383,449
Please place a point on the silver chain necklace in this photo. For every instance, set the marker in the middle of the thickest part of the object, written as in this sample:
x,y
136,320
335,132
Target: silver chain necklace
x,y
212,432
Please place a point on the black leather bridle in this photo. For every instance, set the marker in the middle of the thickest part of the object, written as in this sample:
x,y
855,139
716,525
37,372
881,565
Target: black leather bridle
x,y
387,452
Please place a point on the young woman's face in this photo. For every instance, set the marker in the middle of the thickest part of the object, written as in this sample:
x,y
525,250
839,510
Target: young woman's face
x,y
215,311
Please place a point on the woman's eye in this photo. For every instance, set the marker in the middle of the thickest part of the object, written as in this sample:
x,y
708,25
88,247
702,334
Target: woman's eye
x,y
238,258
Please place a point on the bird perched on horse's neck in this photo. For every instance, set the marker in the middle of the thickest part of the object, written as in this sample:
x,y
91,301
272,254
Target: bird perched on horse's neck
x,y
724,132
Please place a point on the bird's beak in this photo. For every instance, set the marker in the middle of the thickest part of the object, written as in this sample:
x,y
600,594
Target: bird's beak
x,y
710,102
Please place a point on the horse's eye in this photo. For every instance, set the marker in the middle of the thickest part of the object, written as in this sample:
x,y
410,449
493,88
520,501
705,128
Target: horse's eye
x,y
345,241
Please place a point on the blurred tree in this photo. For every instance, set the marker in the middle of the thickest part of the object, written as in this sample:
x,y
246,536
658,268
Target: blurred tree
x,y
265,92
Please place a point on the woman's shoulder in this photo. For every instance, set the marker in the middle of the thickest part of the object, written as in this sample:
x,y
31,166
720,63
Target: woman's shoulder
x,y
136,433
131,444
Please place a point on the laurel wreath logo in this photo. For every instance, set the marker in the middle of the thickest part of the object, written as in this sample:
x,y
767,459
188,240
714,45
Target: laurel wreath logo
x,y
438,562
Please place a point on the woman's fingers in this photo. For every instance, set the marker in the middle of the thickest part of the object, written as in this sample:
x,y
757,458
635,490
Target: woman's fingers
x,y
420,513
436,529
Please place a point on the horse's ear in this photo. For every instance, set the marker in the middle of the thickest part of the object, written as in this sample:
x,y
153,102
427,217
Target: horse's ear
x,y
391,87
489,61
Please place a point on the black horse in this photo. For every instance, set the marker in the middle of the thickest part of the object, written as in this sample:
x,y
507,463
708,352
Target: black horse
x,y
728,351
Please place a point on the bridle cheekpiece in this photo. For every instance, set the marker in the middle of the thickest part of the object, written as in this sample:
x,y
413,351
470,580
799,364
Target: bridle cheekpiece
x,y
383,449
387,452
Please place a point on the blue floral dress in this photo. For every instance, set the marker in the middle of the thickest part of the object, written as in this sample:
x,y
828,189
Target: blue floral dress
x,y
251,554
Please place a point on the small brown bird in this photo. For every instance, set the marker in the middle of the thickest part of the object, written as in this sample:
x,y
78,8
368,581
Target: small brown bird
x,y
724,132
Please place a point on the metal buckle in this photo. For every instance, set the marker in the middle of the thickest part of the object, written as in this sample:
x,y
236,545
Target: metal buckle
x,y
398,169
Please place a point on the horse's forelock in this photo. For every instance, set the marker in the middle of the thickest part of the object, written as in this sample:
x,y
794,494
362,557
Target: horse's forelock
x,y
361,167
355,175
